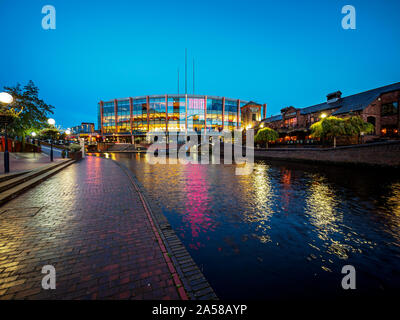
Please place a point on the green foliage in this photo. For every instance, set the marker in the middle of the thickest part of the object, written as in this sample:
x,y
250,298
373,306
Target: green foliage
x,y
49,133
9,112
335,127
328,128
32,112
266,135
74,147
355,125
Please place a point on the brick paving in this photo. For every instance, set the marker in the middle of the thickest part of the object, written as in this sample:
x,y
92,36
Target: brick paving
x,y
90,224
26,161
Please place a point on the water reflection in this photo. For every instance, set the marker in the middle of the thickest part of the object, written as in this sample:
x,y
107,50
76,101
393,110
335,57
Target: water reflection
x,y
286,224
263,199
320,205
197,201
285,181
322,208
393,201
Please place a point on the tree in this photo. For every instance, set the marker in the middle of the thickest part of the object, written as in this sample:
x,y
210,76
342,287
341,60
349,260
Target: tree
x,y
330,127
8,112
333,127
32,111
49,133
355,125
266,135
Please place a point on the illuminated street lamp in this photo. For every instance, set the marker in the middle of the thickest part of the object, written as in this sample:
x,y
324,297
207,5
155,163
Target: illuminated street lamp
x,y
6,99
323,116
51,122
33,134
67,132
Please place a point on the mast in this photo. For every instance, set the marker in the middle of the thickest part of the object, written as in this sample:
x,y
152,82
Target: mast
x,y
185,71
193,76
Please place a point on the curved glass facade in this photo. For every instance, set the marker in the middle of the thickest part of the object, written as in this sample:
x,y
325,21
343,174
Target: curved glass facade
x,y
138,115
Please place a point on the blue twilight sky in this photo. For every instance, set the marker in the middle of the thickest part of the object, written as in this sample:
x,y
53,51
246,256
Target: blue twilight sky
x,y
276,52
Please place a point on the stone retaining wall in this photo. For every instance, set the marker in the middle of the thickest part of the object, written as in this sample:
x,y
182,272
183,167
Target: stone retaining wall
x,y
373,154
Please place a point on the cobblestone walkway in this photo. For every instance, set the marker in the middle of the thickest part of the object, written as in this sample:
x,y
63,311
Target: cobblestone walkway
x,y
88,222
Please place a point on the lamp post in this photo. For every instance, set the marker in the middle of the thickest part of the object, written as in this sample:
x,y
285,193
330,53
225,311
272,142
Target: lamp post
x,y
67,132
51,122
33,134
7,99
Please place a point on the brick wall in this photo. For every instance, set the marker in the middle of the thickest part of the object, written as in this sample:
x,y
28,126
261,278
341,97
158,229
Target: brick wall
x,y
380,154
374,110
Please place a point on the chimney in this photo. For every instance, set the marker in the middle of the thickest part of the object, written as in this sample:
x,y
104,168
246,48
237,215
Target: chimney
x,y
334,96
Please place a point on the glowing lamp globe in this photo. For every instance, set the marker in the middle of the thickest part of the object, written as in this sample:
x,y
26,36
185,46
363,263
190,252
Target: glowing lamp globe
x,y
6,98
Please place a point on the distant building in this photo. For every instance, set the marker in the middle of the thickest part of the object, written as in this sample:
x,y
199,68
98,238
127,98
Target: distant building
x,y
124,119
251,114
85,130
84,127
379,107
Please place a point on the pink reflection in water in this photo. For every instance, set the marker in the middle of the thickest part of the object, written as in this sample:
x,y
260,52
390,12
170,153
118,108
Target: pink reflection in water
x,y
197,203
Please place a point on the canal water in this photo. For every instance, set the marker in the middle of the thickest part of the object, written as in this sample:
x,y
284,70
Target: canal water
x,y
286,230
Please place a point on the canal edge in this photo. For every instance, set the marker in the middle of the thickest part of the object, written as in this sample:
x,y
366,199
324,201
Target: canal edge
x,y
176,256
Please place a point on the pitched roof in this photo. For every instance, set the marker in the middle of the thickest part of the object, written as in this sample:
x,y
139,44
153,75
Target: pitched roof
x,y
347,104
351,103
362,100
251,103
273,118
319,107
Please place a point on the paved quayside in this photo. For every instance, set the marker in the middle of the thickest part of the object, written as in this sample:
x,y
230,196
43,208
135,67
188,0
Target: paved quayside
x,y
22,161
92,225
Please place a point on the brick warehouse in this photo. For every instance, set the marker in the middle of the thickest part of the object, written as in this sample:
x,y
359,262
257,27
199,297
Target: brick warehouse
x,y
379,107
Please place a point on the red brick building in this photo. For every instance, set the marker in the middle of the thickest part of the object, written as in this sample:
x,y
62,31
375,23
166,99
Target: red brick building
x,y
378,106
251,114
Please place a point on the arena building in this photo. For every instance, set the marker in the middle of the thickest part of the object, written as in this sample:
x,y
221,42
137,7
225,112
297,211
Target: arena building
x,y
122,120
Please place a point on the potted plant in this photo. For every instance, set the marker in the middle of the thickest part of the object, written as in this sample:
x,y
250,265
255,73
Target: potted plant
x,y
75,151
